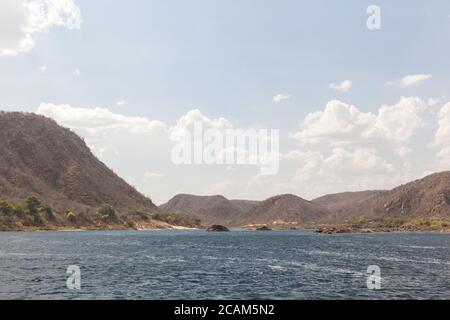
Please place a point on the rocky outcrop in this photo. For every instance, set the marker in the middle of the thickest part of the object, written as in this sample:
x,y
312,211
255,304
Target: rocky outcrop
x,y
217,228
263,228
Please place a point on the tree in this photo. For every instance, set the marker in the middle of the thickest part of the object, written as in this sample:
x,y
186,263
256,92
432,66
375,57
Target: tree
x,y
5,208
106,212
71,216
33,204
47,212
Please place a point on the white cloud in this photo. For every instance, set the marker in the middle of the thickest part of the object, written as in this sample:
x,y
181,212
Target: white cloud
x,y
21,21
42,69
414,80
344,170
281,97
343,87
97,120
435,101
442,137
345,149
343,162
153,175
122,103
343,124
77,72
316,173
185,125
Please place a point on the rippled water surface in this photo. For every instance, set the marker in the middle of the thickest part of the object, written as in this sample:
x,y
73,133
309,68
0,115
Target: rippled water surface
x,y
235,265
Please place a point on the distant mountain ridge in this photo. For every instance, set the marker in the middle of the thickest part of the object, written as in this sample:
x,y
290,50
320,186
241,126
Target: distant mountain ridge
x,y
220,210
338,204
210,209
424,197
285,209
420,198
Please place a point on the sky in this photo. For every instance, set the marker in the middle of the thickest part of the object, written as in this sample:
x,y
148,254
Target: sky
x,y
356,108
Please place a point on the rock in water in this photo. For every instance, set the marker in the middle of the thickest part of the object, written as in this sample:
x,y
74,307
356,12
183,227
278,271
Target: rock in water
x,y
263,228
217,228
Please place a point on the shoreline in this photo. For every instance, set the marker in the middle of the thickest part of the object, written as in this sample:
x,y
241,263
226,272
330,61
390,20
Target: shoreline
x,y
372,230
328,230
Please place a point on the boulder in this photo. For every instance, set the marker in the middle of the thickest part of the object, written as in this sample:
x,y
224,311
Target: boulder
x,y
263,228
217,228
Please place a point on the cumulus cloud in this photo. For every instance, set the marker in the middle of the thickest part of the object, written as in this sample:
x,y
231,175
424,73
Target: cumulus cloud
x,y
343,124
185,125
21,21
344,148
281,97
315,173
442,137
343,87
153,175
414,80
98,120
343,170
122,103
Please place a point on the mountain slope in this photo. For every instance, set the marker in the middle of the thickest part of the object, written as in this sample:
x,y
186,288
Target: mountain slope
x,y
210,209
245,205
39,157
286,209
429,196
338,204
423,197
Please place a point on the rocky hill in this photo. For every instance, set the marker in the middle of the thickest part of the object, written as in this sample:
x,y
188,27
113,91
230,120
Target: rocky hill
x,y
282,210
210,209
286,209
338,204
429,196
424,198
42,159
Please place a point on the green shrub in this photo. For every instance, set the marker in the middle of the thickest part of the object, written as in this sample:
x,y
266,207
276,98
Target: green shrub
x,y
130,224
433,221
47,212
177,219
5,208
106,212
392,222
141,215
19,210
71,215
359,221
32,204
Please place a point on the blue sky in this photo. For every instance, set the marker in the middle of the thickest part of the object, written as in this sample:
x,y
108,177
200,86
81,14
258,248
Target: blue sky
x,y
229,59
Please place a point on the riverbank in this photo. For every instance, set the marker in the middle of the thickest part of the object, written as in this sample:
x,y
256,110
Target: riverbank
x,y
349,229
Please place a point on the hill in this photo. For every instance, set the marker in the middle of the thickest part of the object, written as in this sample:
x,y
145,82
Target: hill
x,y
339,204
286,209
39,158
429,196
210,209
